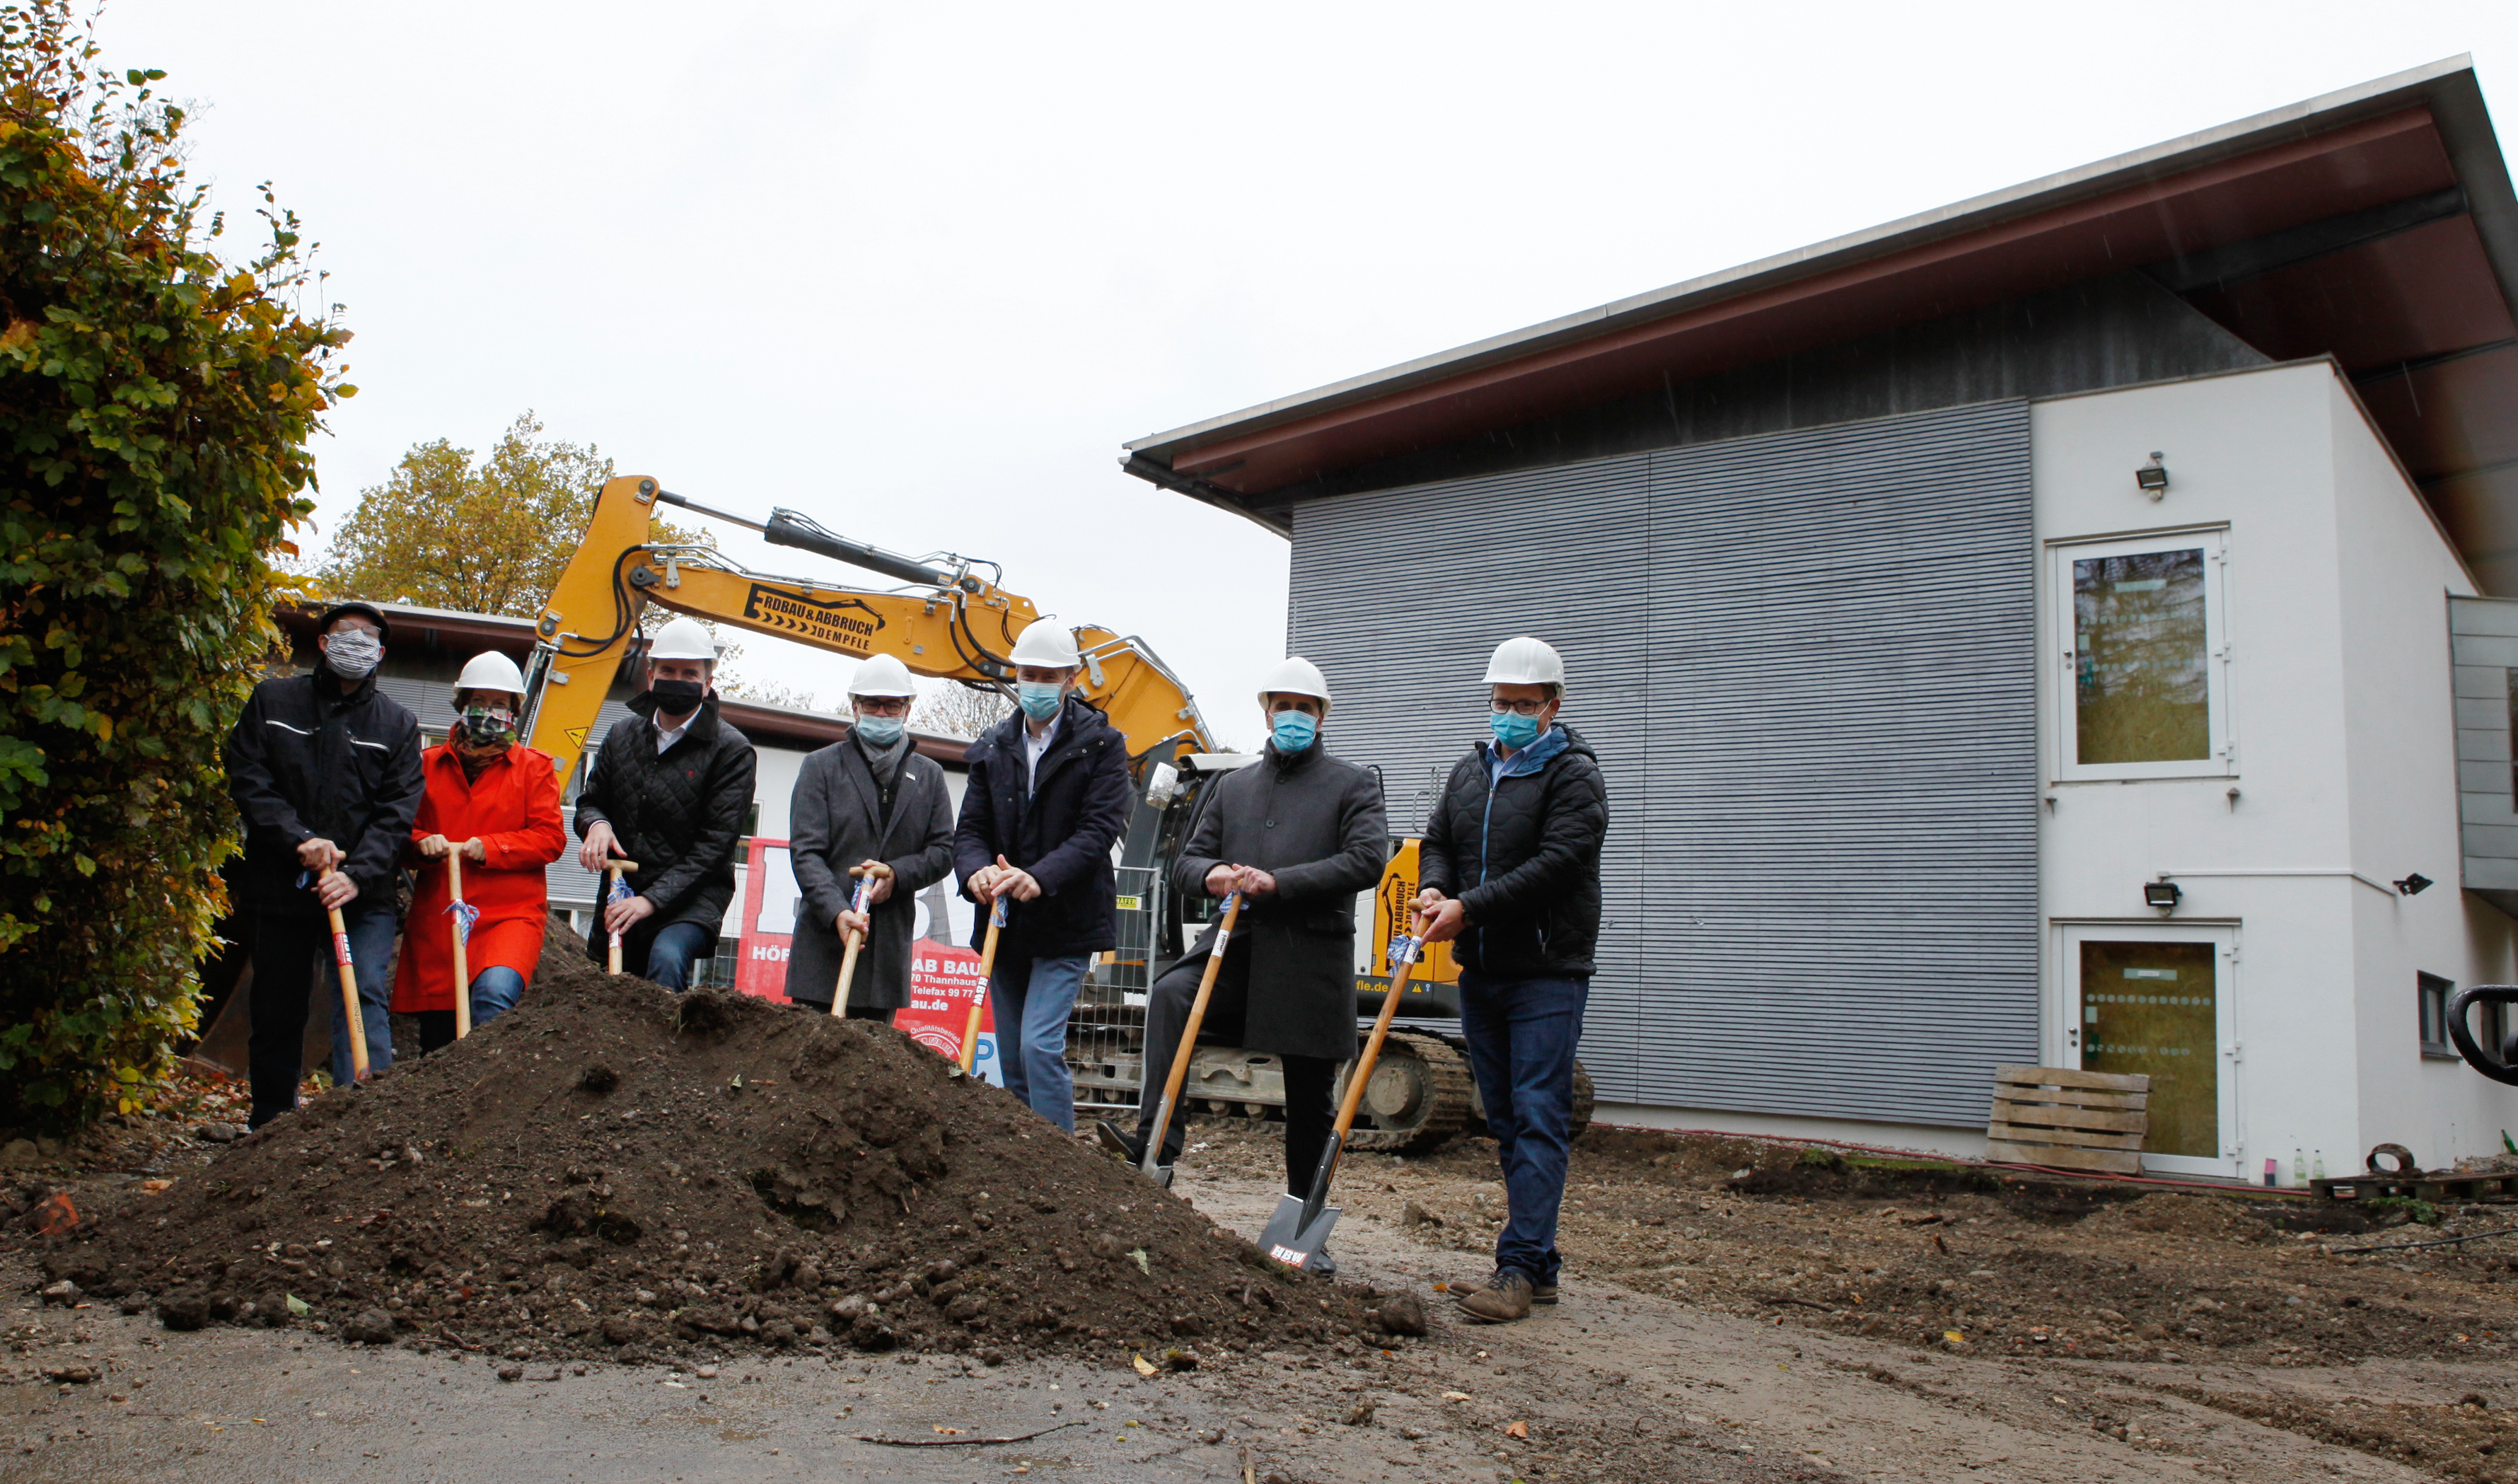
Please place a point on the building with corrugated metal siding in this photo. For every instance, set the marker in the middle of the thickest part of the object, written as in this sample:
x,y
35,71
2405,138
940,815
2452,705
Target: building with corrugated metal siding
x,y
2073,627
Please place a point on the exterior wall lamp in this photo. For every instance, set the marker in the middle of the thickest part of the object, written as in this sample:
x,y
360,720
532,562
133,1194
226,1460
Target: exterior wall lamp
x,y
2412,886
2164,894
2152,477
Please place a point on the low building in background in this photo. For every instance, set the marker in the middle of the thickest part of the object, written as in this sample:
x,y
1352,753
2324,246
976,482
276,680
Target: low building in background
x,y
2017,635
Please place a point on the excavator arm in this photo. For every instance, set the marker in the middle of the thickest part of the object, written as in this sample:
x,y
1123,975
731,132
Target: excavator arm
x,y
950,621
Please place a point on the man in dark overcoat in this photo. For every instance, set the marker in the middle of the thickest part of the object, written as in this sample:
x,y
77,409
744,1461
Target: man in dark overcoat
x,y
1298,834
869,799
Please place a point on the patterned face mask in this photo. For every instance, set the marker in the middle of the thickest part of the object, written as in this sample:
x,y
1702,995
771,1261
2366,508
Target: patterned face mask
x,y
351,653
488,725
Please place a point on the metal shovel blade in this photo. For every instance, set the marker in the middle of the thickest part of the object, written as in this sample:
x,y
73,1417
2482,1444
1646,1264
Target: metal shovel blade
x,y
1291,1240
1159,1174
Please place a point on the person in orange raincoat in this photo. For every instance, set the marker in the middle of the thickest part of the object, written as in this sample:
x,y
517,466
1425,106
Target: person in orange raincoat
x,y
495,801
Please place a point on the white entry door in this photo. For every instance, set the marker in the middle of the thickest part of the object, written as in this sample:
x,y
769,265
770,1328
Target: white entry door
x,y
2158,999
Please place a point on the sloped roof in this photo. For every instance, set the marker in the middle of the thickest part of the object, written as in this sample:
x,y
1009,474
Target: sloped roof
x,y
2377,225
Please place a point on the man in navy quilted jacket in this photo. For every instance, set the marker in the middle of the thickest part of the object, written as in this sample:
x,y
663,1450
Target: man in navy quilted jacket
x,y
1511,879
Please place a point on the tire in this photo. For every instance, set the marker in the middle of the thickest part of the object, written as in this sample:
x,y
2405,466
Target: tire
x,y
1418,1098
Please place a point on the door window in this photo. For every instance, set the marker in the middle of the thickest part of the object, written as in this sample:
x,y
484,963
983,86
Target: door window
x,y
2141,658
2154,1007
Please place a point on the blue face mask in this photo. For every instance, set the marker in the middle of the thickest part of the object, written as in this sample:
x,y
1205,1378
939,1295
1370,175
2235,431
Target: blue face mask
x,y
882,732
1293,730
1040,698
1513,729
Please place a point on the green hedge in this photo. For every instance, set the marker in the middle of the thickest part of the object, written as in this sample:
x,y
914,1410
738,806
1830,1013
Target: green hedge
x,y
155,407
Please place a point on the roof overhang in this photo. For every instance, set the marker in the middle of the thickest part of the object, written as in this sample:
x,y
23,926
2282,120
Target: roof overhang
x,y
2377,223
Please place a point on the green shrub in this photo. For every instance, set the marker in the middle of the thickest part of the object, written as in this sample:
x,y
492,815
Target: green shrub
x,y
155,407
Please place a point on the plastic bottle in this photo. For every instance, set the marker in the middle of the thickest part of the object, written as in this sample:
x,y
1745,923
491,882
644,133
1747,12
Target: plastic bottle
x,y
2319,1169
2298,1168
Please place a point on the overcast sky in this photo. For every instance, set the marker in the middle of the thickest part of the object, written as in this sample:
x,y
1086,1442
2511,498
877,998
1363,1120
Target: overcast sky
x,y
918,270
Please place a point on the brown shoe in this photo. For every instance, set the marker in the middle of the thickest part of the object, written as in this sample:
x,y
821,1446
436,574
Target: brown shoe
x,y
1462,1288
1504,1299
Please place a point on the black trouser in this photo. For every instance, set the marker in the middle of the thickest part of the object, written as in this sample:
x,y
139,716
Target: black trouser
x,y
290,951
1308,1079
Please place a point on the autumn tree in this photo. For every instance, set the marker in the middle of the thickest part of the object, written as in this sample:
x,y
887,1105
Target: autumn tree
x,y
155,402
444,532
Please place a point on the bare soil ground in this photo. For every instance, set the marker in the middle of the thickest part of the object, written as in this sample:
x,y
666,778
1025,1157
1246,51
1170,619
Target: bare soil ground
x,y
1792,1324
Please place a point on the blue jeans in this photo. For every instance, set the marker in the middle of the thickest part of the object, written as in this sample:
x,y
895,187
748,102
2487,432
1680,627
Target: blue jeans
x,y
292,954
1522,1036
676,945
494,993
1034,996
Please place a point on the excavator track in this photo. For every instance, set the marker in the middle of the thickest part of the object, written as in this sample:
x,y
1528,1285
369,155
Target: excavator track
x,y
1419,1096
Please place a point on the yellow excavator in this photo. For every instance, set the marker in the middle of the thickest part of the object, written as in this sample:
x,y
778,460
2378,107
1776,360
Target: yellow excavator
x,y
952,620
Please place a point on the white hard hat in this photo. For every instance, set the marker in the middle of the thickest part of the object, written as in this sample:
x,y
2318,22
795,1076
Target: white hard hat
x,y
683,638
1049,644
1525,661
1294,676
491,671
882,676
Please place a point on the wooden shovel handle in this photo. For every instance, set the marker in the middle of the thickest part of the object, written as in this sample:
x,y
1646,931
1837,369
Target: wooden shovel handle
x,y
463,971
987,966
349,996
1362,1073
866,876
1188,1048
612,964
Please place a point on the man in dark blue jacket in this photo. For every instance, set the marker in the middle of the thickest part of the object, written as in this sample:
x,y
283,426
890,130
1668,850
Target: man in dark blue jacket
x,y
1047,797
327,774
1510,876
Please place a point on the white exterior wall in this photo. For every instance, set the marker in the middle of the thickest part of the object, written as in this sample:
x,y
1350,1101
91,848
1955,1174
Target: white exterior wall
x,y
2338,704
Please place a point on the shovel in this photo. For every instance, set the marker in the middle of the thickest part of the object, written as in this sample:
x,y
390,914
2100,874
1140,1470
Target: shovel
x,y
988,964
1302,1225
867,875
349,996
612,893
1147,1162
462,914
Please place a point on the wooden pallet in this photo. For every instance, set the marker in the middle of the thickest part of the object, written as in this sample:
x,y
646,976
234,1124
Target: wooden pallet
x,y
2069,1118
2438,1187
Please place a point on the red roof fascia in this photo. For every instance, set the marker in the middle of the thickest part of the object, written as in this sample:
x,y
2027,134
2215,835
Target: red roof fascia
x,y
2365,164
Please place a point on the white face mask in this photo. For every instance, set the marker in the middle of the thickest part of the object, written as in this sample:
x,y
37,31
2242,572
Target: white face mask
x,y
351,653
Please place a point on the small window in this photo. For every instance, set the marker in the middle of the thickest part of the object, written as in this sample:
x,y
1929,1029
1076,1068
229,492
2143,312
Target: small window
x,y
2141,640
2434,993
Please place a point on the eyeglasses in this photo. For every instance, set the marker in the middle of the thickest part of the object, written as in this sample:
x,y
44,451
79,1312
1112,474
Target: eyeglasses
x,y
1517,708
881,706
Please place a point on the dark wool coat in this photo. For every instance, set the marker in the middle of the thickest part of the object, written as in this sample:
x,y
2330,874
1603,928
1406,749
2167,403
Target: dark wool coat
x,y
678,816
1061,831
836,821
1523,856
307,762
1316,824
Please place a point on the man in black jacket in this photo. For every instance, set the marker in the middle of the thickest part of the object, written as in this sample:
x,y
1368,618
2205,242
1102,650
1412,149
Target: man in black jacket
x,y
1047,795
1511,878
670,789
326,774
1298,834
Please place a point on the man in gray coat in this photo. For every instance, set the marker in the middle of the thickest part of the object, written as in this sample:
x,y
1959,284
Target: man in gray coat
x,y
869,799
1298,834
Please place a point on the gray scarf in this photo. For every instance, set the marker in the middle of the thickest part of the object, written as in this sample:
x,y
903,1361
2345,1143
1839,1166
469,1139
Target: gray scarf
x,y
885,761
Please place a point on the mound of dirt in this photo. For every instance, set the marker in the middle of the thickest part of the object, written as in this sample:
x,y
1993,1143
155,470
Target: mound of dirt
x,y
614,1170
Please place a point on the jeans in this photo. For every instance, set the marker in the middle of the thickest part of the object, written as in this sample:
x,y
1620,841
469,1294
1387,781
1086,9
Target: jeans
x,y
1309,1080
1522,1036
494,993
292,953
676,945
1034,997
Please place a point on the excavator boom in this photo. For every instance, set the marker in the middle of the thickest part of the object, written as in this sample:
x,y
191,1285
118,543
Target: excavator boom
x,y
950,623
